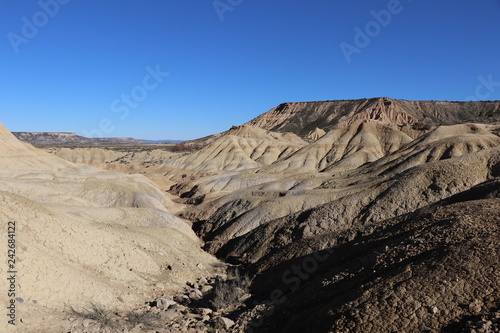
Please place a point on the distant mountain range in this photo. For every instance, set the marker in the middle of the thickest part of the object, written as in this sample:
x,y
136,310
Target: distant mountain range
x,y
163,141
67,138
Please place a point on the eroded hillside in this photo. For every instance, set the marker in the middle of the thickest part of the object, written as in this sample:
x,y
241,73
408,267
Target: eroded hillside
x,y
400,199
88,235
303,117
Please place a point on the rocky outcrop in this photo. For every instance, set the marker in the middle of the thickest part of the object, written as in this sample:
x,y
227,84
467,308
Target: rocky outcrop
x,y
303,118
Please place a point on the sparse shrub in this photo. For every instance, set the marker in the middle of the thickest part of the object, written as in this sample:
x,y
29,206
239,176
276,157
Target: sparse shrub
x,y
95,312
231,291
150,319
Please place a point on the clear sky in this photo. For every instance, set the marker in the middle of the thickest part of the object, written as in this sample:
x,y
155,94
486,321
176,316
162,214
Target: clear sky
x,y
182,69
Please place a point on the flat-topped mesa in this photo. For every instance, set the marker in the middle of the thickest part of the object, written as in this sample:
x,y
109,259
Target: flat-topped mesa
x,y
302,118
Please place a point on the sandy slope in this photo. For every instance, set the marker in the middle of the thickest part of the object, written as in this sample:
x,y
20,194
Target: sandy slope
x,y
85,234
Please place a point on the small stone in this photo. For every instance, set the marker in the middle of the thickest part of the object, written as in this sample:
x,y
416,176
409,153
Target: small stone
x,y
206,288
195,294
200,266
476,306
164,303
223,323
434,309
202,280
205,311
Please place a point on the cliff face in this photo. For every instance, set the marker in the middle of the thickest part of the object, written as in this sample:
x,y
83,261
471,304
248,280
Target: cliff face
x,y
304,117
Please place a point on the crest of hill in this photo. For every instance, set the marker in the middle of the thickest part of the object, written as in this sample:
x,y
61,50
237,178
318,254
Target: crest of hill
x,y
247,131
15,155
242,147
303,118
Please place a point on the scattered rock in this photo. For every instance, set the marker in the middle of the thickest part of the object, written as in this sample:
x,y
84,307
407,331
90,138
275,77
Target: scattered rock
x,y
204,311
195,294
164,303
476,307
223,323
206,288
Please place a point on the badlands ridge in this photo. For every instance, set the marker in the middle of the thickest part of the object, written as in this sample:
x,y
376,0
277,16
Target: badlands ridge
x,y
374,215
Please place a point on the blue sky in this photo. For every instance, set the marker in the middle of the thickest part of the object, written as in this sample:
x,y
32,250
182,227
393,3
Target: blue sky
x,y
85,65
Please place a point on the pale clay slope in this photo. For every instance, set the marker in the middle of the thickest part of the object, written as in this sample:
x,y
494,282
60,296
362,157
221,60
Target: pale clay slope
x,y
344,149
338,151
246,150
292,183
246,209
243,147
300,190
416,188
88,235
